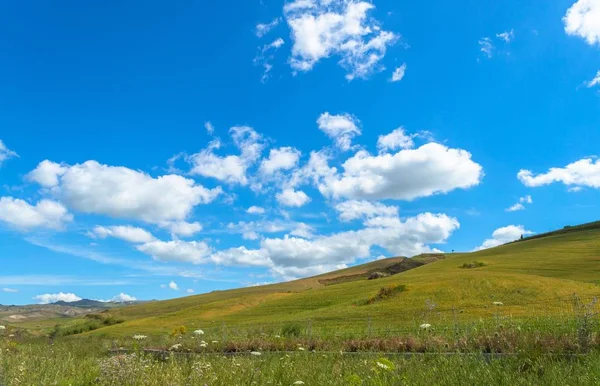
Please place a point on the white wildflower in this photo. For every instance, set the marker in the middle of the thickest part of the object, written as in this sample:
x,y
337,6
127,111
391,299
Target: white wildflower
x,y
139,337
301,348
383,366
498,303
176,346
425,326
2,328
198,332
215,341
256,353
203,345
298,383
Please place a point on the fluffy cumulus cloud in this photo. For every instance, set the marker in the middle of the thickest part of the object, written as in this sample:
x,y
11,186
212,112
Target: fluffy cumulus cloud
x,y
284,158
397,139
231,168
123,298
583,19
520,205
195,252
255,210
582,173
173,286
392,176
326,28
504,235
398,73
121,192
124,232
5,153
355,210
59,297
292,198
340,128
46,214
182,228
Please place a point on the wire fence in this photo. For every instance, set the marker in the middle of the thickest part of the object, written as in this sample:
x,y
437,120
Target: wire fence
x,y
553,315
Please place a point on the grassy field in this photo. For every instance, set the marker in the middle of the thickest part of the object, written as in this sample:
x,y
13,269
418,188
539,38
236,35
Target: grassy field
x,y
523,313
533,279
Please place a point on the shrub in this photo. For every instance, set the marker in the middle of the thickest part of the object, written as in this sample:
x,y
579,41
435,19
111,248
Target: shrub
x,y
473,264
386,293
291,330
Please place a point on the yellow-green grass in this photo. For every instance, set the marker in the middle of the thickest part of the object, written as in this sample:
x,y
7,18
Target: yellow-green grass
x,y
532,278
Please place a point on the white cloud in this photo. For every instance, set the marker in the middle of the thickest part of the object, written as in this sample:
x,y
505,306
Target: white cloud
x,y
397,139
284,158
242,256
293,273
210,129
121,192
519,205
408,238
582,173
583,20
486,46
594,82
123,298
232,168
399,73
189,291
182,228
5,153
124,232
504,235
10,290
326,28
45,214
263,28
266,55
340,128
394,176
292,198
516,207
173,286
355,210
195,252
303,230
59,297
507,36
255,210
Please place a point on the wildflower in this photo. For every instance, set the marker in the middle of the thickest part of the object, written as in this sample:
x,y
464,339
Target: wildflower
x,y
2,328
215,341
198,332
278,336
176,346
300,348
383,366
298,383
425,326
203,344
139,337
498,303
256,353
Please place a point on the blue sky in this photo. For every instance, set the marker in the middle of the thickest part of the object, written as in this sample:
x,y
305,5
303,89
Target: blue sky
x,y
136,139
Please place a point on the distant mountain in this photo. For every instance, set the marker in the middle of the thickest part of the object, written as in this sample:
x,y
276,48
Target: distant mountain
x,y
89,303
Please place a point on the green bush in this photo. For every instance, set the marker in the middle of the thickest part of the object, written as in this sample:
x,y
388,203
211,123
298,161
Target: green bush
x,y
291,330
386,293
473,264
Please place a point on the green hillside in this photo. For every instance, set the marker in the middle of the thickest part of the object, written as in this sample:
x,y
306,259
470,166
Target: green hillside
x,y
532,278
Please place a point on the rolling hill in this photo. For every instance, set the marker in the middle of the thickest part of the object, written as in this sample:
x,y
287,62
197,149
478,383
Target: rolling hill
x,y
533,277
